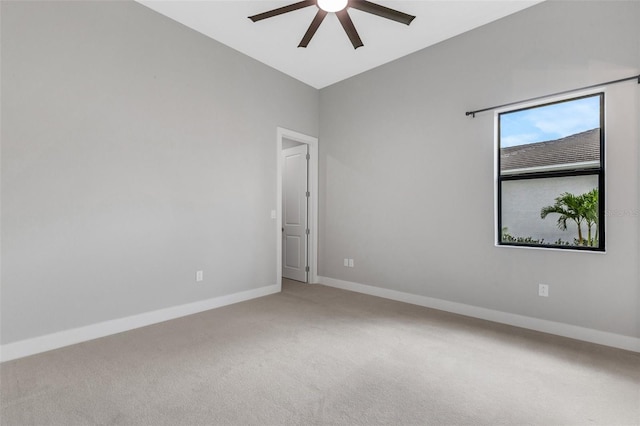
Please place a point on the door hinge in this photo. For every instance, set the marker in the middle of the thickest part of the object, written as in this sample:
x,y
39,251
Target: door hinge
x,y
308,232
308,157
308,194
306,269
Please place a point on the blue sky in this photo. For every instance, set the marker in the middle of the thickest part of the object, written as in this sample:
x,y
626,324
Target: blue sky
x,y
549,122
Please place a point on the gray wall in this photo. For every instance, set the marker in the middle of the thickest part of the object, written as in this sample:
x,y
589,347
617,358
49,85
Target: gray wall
x,y
288,143
407,184
134,152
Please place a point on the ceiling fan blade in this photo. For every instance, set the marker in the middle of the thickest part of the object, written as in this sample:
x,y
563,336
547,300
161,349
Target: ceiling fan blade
x,y
317,20
385,12
281,10
349,28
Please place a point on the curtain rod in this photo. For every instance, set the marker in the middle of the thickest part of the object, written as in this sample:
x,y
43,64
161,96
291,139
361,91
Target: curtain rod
x,y
473,113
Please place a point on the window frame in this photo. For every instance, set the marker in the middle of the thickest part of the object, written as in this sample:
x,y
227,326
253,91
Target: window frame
x,y
557,172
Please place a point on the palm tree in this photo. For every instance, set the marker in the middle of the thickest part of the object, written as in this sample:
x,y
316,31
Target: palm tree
x,y
590,213
569,207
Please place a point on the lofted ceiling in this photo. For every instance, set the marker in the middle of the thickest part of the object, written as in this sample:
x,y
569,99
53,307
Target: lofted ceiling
x,y
330,57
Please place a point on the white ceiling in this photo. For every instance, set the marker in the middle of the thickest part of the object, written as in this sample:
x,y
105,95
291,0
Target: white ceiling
x,y
330,56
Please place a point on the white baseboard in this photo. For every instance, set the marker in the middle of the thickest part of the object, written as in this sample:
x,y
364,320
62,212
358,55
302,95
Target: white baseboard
x,y
566,330
82,334
60,339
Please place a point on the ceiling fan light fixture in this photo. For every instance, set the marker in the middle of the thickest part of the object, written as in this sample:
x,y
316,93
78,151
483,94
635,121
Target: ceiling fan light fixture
x,y
332,5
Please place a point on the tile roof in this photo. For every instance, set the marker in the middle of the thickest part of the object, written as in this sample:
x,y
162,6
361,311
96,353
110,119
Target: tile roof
x,y
577,148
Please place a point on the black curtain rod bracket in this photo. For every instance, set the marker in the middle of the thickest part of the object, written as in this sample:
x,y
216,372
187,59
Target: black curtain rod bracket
x,y
473,113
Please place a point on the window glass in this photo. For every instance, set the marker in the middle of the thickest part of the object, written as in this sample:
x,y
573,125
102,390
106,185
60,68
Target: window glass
x,y
551,175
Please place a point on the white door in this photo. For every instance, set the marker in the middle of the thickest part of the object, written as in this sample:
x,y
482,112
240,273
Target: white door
x,y
294,212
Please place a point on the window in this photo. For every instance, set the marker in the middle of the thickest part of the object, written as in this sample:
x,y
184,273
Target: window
x,y
551,175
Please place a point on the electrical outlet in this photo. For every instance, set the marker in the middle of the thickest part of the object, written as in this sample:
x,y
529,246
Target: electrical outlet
x,y
199,276
346,262
543,290
350,263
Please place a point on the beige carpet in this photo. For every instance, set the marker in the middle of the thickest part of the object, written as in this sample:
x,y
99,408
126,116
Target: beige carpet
x,y
316,355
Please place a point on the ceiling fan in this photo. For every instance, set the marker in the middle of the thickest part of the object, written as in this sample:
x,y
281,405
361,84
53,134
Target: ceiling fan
x,y
339,7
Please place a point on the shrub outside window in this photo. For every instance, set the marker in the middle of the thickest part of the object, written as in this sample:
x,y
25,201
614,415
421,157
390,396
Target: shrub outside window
x,y
551,175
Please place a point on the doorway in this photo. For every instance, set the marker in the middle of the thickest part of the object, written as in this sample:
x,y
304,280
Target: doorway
x,y
296,206
295,210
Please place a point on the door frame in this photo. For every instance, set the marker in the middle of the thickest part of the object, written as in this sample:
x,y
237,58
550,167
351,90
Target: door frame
x,y
312,143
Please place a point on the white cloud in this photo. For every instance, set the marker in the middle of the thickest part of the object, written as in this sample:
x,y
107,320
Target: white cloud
x,y
566,119
520,139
